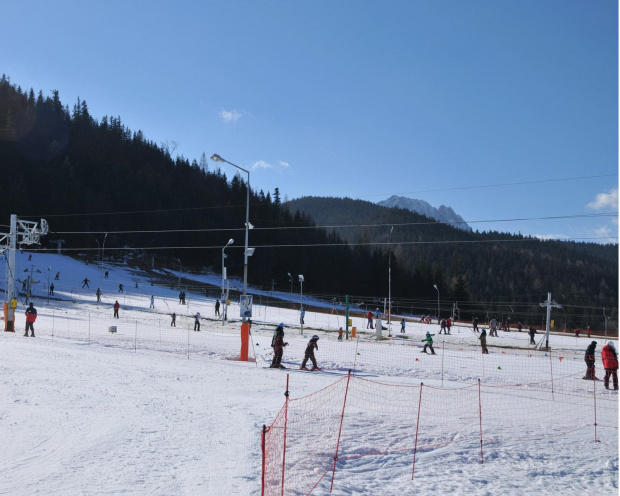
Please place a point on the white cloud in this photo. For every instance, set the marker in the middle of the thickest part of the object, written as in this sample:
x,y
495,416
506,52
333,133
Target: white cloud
x,y
605,200
230,115
261,164
602,232
546,237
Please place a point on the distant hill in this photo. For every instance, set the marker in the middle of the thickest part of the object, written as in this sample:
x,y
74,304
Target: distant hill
x,y
442,214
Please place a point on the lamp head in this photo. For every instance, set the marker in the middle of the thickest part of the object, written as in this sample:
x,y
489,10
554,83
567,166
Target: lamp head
x,y
301,278
249,225
435,286
230,242
216,158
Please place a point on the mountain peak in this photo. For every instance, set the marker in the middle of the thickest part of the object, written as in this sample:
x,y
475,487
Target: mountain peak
x,y
442,214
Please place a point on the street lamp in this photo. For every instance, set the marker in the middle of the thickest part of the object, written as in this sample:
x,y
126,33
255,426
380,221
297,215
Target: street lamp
x,y
301,301
224,298
390,283
216,158
435,286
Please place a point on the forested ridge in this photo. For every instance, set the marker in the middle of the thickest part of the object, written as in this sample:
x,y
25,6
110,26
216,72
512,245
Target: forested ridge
x,y
87,177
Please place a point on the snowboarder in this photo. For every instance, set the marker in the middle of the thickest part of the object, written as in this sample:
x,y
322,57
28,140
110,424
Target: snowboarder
x,y
402,325
428,340
57,276
174,320
52,289
31,316
532,332
120,288
107,273
116,307
217,307
610,363
309,354
98,293
589,359
152,301
278,344
86,282
197,321
483,341
369,317
475,323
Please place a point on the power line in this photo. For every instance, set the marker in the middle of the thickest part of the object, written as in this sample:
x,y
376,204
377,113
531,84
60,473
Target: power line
x,y
343,226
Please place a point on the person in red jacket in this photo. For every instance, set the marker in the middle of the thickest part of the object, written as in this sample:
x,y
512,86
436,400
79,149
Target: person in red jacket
x,y
31,316
610,363
116,307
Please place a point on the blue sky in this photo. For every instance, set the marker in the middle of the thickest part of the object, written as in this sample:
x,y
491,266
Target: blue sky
x,y
493,108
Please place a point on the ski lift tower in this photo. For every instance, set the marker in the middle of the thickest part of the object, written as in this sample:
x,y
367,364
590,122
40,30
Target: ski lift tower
x,y
549,304
22,233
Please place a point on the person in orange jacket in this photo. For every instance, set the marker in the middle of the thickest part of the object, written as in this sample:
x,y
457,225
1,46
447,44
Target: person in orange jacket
x,y
610,363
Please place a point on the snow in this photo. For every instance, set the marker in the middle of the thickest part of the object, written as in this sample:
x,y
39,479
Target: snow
x,y
154,409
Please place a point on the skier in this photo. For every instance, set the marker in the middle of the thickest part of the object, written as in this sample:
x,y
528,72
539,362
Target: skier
x,y
309,354
120,288
302,315
197,321
31,316
116,307
428,340
174,320
57,276
340,334
531,332
107,273
369,317
152,301
493,330
278,344
86,282
589,359
217,307
519,326
98,293
589,331
483,341
610,362
449,324
475,323
52,289
442,326
402,325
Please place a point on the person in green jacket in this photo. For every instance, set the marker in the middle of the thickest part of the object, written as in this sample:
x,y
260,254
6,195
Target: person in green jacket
x,y
428,342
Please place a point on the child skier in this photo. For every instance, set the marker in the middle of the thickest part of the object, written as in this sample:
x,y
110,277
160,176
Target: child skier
x,y
309,355
483,341
428,342
278,344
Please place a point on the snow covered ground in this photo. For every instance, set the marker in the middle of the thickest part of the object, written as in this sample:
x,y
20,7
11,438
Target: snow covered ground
x,y
158,410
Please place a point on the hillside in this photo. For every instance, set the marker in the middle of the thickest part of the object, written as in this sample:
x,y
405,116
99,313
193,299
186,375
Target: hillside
x,y
497,269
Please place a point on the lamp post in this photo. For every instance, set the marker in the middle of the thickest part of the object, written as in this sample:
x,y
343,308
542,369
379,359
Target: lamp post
x,y
390,283
102,252
224,298
179,284
301,302
216,158
290,278
435,286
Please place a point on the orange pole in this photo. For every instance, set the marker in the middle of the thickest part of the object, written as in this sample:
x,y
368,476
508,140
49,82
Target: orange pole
x,y
245,341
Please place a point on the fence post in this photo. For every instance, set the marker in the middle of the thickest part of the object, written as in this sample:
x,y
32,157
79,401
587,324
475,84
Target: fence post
x,y
263,435
285,426
344,404
594,398
480,416
551,363
53,322
135,339
188,343
89,327
443,353
415,446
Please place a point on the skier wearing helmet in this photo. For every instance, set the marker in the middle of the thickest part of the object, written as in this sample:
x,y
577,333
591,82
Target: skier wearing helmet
x,y
428,342
309,355
278,344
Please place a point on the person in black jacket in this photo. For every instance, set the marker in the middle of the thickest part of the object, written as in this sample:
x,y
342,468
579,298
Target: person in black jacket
x,y
309,355
532,332
589,359
278,344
